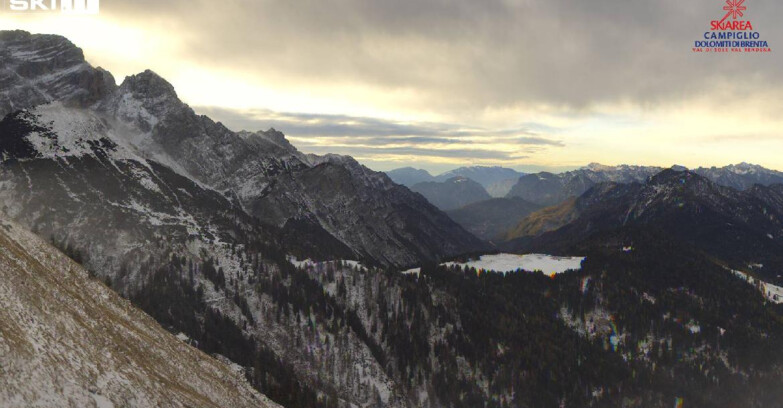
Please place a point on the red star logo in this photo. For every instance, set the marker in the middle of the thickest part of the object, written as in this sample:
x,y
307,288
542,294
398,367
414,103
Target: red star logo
x,y
734,8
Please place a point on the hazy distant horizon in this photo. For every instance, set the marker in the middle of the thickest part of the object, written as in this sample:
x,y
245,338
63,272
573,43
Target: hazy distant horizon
x,y
435,171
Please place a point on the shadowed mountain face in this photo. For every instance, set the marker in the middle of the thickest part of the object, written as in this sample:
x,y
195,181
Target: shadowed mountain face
x,y
408,176
491,219
360,209
453,193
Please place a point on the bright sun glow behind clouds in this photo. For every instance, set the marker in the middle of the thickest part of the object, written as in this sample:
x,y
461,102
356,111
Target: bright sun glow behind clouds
x,y
121,48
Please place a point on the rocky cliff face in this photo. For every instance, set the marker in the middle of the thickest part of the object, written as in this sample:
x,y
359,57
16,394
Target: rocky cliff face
x,y
353,208
371,215
38,69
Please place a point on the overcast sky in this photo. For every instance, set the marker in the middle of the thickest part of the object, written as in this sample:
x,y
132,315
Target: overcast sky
x,y
438,84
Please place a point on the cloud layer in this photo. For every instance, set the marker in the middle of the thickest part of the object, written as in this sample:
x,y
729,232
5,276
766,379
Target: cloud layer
x,y
373,139
449,82
468,55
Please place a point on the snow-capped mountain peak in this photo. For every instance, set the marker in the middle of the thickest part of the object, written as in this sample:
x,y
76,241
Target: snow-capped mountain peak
x,y
36,69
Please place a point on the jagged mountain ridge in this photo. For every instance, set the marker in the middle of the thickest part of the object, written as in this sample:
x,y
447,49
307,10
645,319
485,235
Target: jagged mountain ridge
x,y
54,71
496,180
146,113
278,184
198,264
739,227
484,175
549,189
741,176
65,177
67,340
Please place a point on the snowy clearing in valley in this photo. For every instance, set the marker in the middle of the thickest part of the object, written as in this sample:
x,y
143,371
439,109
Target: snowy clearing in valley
x,y
548,264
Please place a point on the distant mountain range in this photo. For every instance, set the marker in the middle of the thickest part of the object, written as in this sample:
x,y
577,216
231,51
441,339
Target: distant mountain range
x,y
408,176
678,269
548,189
494,179
741,176
453,193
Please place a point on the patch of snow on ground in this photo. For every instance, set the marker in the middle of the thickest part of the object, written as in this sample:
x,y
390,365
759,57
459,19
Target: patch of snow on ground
x,y
412,271
693,327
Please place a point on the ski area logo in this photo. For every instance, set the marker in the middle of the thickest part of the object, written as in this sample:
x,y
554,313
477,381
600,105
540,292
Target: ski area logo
x,y
734,8
49,6
732,33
